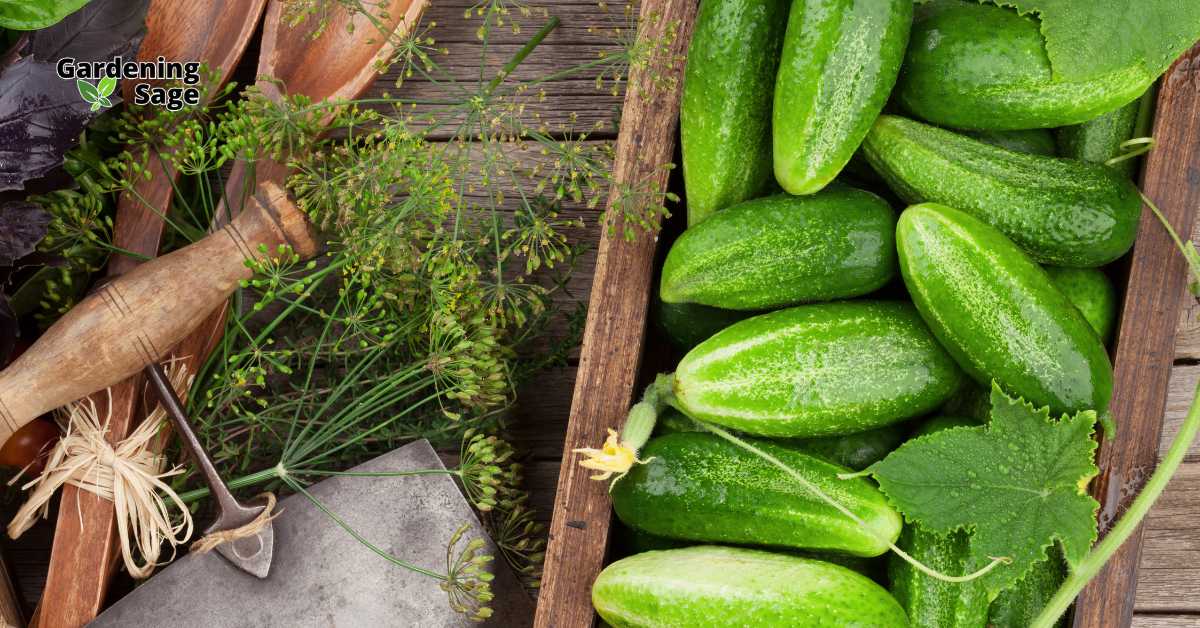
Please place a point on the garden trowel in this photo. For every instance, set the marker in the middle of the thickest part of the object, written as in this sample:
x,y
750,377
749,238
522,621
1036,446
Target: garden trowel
x,y
322,575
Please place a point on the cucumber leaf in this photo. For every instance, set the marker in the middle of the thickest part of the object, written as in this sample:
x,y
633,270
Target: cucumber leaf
x,y
1087,38
29,15
1016,485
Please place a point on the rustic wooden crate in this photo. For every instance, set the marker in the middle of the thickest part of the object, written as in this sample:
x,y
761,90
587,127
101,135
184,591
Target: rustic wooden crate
x,y
617,354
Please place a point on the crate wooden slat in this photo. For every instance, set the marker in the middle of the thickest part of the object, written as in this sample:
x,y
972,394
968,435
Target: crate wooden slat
x,y
1144,356
1145,347
615,325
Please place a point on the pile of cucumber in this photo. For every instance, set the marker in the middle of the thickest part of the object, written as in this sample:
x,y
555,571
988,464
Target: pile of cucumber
x,y
827,327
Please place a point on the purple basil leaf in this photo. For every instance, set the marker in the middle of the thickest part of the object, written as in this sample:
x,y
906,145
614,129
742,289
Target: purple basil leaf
x,y
97,32
22,226
42,115
41,118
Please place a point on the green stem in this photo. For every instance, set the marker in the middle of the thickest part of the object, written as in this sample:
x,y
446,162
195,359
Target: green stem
x,y
1102,552
846,512
258,477
525,51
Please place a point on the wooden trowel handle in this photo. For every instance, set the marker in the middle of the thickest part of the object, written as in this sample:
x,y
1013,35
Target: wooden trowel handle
x,y
138,317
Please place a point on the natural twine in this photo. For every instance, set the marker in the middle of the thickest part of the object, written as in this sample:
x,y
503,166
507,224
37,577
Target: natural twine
x,y
130,475
213,539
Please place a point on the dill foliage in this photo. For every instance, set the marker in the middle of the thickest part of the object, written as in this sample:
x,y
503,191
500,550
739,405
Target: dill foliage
x,y
441,204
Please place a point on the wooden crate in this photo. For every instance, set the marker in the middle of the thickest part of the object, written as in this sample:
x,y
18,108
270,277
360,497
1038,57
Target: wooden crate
x,y
616,348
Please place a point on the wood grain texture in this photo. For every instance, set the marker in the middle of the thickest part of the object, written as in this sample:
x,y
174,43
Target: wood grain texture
x,y
612,341
84,554
1166,621
1145,346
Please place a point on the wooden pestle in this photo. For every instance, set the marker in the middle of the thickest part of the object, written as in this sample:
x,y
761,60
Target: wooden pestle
x,y
138,317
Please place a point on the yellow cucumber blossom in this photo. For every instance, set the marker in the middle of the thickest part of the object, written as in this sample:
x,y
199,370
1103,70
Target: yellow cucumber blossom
x,y
620,452
614,457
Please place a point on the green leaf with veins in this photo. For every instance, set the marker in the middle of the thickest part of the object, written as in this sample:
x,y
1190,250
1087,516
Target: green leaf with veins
x,y
1017,485
1088,39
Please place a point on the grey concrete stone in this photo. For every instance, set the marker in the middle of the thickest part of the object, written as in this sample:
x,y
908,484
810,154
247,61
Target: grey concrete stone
x,y
321,576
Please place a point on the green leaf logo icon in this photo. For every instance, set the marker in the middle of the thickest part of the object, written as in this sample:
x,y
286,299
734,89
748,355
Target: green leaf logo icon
x,y
97,95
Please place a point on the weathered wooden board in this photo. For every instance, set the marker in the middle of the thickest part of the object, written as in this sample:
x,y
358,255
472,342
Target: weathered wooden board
x,y
1166,621
1146,341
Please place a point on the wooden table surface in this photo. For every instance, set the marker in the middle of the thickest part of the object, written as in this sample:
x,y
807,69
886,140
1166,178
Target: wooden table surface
x,y
1170,567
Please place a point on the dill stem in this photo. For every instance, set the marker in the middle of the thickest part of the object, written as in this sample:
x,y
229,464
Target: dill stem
x,y
524,52
253,479
1127,524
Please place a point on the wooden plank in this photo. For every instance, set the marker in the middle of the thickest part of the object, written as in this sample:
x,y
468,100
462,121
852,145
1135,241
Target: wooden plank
x,y
612,341
1184,378
1166,621
1146,342
1169,568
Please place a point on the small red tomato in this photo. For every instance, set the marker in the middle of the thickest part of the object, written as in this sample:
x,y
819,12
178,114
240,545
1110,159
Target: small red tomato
x,y
30,444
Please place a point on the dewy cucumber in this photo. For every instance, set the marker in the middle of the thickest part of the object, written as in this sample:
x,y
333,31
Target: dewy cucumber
x,y
783,250
816,370
1092,293
1099,139
698,487
997,312
686,325
726,587
928,601
1061,211
840,61
981,66
725,116
1019,605
1032,141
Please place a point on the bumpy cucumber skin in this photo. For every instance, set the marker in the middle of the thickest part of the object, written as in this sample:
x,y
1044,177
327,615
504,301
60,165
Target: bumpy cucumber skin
x,y
699,487
855,451
817,370
998,313
943,422
1100,138
1092,293
840,61
686,325
725,116
726,587
1031,141
974,66
783,250
1060,211
1018,606
932,603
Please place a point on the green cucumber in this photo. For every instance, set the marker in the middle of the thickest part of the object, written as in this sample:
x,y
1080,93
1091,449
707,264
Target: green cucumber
x,y
726,587
975,66
998,314
972,401
783,250
816,370
725,116
943,422
1019,605
840,61
686,325
1099,140
928,601
699,487
1061,211
855,451
1092,293
1031,141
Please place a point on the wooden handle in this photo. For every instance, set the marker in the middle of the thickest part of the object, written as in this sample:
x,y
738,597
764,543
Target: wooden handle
x,y
135,319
